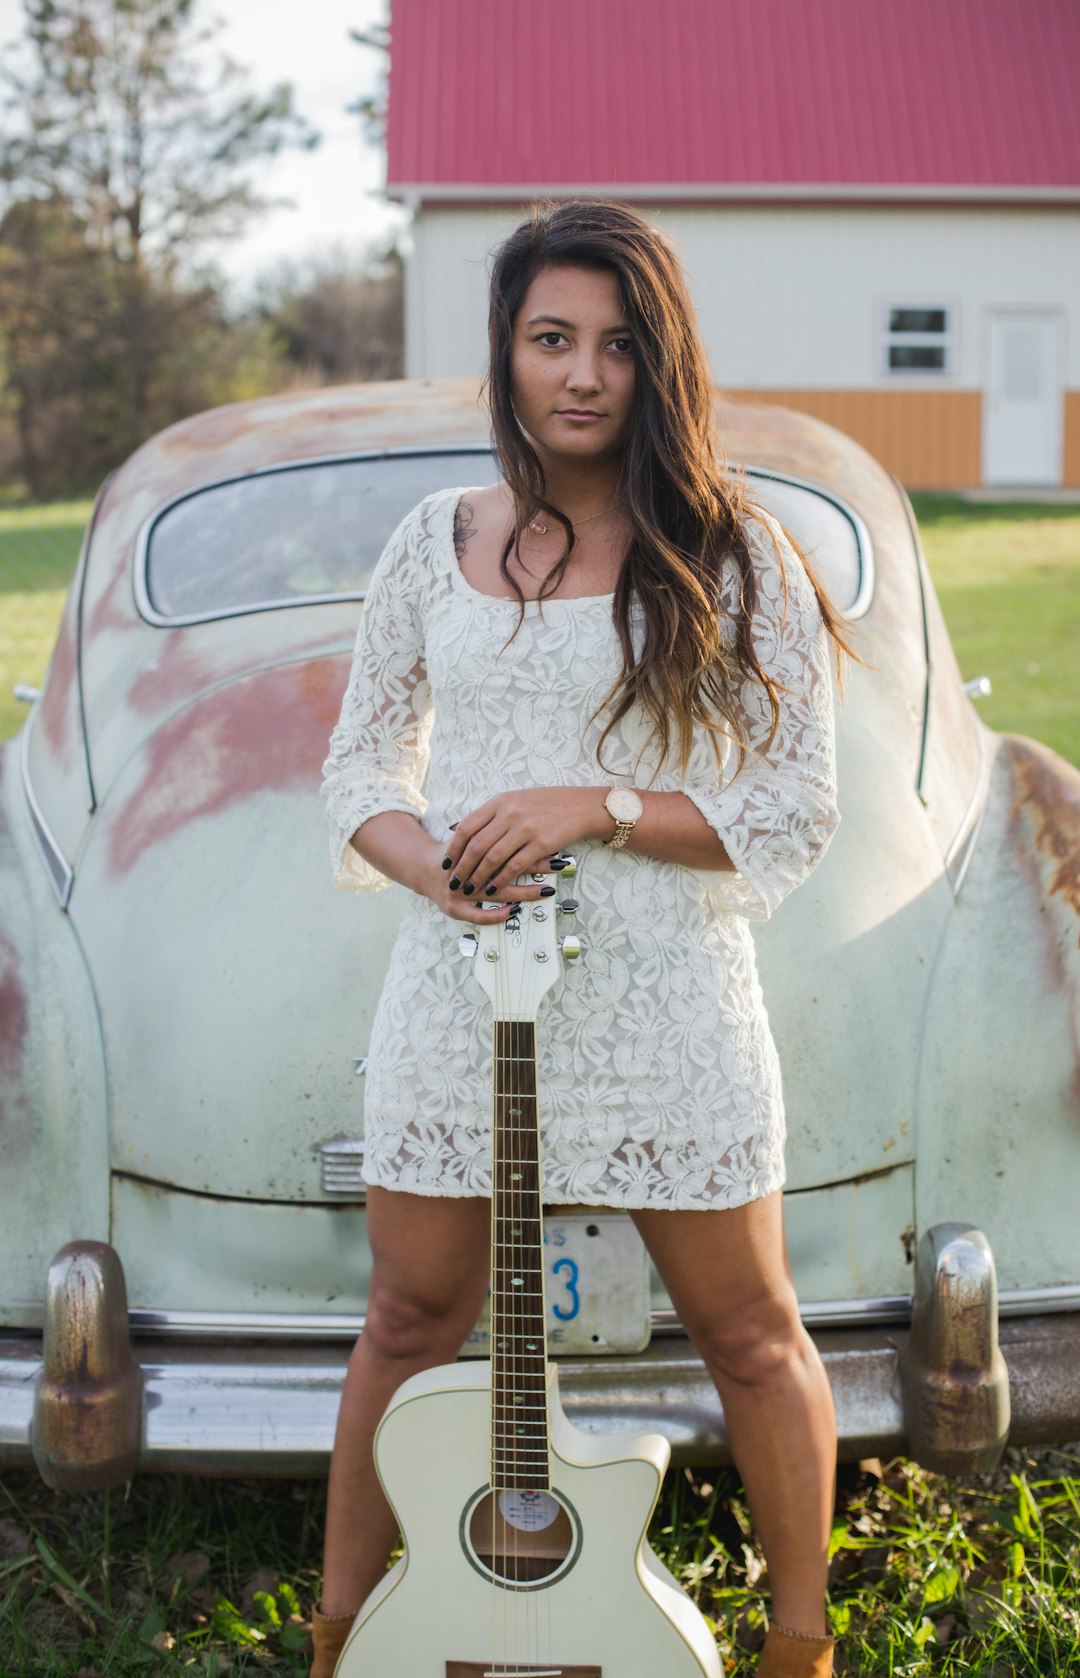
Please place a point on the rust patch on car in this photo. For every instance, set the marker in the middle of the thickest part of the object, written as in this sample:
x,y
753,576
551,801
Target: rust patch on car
x,y
15,1129
193,659
112,610
267,732
1046,801
1045,816
181,673
14,1014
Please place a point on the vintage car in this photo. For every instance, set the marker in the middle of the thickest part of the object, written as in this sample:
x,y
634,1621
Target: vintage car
x,y
186,1000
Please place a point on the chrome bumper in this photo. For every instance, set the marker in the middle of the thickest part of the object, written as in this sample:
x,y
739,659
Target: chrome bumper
x,y
949,1390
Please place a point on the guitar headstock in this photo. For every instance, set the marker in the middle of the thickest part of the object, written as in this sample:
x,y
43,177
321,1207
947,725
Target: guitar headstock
x,y
517,961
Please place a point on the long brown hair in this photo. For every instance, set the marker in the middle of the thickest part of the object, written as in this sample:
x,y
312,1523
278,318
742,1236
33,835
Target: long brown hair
x,y
686,512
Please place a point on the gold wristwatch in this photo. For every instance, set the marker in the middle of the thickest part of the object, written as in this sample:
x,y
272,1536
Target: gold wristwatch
x,y
625,808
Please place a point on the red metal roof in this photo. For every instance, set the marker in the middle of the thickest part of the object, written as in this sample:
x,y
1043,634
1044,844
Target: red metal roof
x,y
967,98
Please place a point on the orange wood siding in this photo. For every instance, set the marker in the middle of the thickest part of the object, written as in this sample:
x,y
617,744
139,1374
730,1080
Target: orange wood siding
x,y
930,439
1072,439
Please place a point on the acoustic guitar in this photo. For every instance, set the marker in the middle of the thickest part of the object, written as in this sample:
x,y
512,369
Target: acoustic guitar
x,y
525,1553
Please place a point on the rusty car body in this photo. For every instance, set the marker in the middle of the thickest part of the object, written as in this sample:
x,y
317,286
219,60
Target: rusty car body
x,y
186,1000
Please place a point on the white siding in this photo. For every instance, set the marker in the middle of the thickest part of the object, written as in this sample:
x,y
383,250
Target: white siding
x,y
787,296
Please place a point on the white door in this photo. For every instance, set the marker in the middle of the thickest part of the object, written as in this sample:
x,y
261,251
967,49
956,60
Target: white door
x,y
1023,405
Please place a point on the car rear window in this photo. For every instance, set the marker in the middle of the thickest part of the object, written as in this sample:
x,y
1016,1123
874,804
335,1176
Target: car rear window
x,y
833,538
314,532
311,532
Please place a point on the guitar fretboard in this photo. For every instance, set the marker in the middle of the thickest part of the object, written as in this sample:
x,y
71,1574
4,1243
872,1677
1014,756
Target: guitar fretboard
x,y
519,1430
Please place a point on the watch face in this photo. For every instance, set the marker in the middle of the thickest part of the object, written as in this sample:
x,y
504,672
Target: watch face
x,y
623,804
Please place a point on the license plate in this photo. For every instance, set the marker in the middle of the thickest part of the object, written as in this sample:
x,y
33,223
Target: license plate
x,y
596,1284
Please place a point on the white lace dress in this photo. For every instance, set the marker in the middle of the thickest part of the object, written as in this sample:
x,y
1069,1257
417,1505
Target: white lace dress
x,y
658,1080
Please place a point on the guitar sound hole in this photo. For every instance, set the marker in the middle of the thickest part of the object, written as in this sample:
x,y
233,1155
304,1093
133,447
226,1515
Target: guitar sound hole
x,y
521,1538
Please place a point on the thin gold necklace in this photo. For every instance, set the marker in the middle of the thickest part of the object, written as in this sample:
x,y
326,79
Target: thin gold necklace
x,y
542,529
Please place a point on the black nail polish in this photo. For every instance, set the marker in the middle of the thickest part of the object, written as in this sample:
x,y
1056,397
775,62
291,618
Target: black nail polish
x,y
490,890
547,891
557,865
452,826
454,882
447,863
469,889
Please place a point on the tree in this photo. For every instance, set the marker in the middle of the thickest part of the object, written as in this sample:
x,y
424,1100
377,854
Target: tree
x,y
336,322
124,158
66,329
119,118
61,351
371,107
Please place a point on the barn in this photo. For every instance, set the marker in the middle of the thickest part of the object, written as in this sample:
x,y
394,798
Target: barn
x,y
876,200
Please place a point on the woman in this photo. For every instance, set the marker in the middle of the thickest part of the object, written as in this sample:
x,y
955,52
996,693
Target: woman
x,y
610,615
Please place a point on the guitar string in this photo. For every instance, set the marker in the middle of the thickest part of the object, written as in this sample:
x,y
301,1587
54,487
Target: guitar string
x,y
515,1154
541,1608
513,1083
519,1080
499,1294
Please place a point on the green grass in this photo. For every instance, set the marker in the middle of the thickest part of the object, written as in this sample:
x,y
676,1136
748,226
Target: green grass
x,y
1008,578
39,547
927,1575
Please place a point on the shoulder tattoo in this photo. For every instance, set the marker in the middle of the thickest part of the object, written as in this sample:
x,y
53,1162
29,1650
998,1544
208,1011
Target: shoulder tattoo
x,y
463,526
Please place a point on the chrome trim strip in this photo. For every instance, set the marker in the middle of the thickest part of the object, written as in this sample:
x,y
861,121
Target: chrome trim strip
x,y
1017,1302
80,584
150,614
864,594
262,1325
823,1313
270,1411
964,840
60,872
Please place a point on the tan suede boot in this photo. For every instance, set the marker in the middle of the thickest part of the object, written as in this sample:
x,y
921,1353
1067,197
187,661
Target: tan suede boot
x,y
328,1634
795,1654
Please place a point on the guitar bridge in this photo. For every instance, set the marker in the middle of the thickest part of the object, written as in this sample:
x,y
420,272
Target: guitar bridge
x,y
489,1669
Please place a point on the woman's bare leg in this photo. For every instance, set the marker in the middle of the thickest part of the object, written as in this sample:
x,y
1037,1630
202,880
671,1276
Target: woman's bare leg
x,y
429,1275
728,1276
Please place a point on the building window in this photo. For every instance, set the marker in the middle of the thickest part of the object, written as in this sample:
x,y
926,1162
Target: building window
x,y
917,338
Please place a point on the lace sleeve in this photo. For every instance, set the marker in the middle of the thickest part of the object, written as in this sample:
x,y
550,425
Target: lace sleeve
x,y
777,815
379,748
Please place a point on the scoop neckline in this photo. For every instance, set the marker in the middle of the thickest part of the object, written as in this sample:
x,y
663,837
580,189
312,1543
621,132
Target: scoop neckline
x,y
462,582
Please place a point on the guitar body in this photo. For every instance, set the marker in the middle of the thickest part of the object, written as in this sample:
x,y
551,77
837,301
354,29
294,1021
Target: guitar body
x,y
602,1605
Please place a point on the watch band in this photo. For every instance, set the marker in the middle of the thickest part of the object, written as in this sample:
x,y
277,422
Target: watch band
x,y
622,833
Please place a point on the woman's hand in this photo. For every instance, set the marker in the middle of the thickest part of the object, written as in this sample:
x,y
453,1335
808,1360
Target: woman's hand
x,y
517,833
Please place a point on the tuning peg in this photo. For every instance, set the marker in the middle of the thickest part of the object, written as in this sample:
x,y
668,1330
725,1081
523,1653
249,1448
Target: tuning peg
x,y
571,946
568,906
468,943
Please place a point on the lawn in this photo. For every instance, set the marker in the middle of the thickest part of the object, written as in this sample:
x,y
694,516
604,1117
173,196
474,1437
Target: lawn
x,y
39,547
1008,578
927,1575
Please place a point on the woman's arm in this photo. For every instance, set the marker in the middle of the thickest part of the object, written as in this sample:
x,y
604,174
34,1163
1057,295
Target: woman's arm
x,y
397,846
518,832
379,748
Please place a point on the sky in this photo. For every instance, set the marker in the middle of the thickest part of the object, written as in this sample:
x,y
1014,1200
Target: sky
x,y
336,188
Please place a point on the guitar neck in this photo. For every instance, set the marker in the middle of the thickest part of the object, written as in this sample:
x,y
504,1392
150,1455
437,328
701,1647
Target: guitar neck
x,y
519,1424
